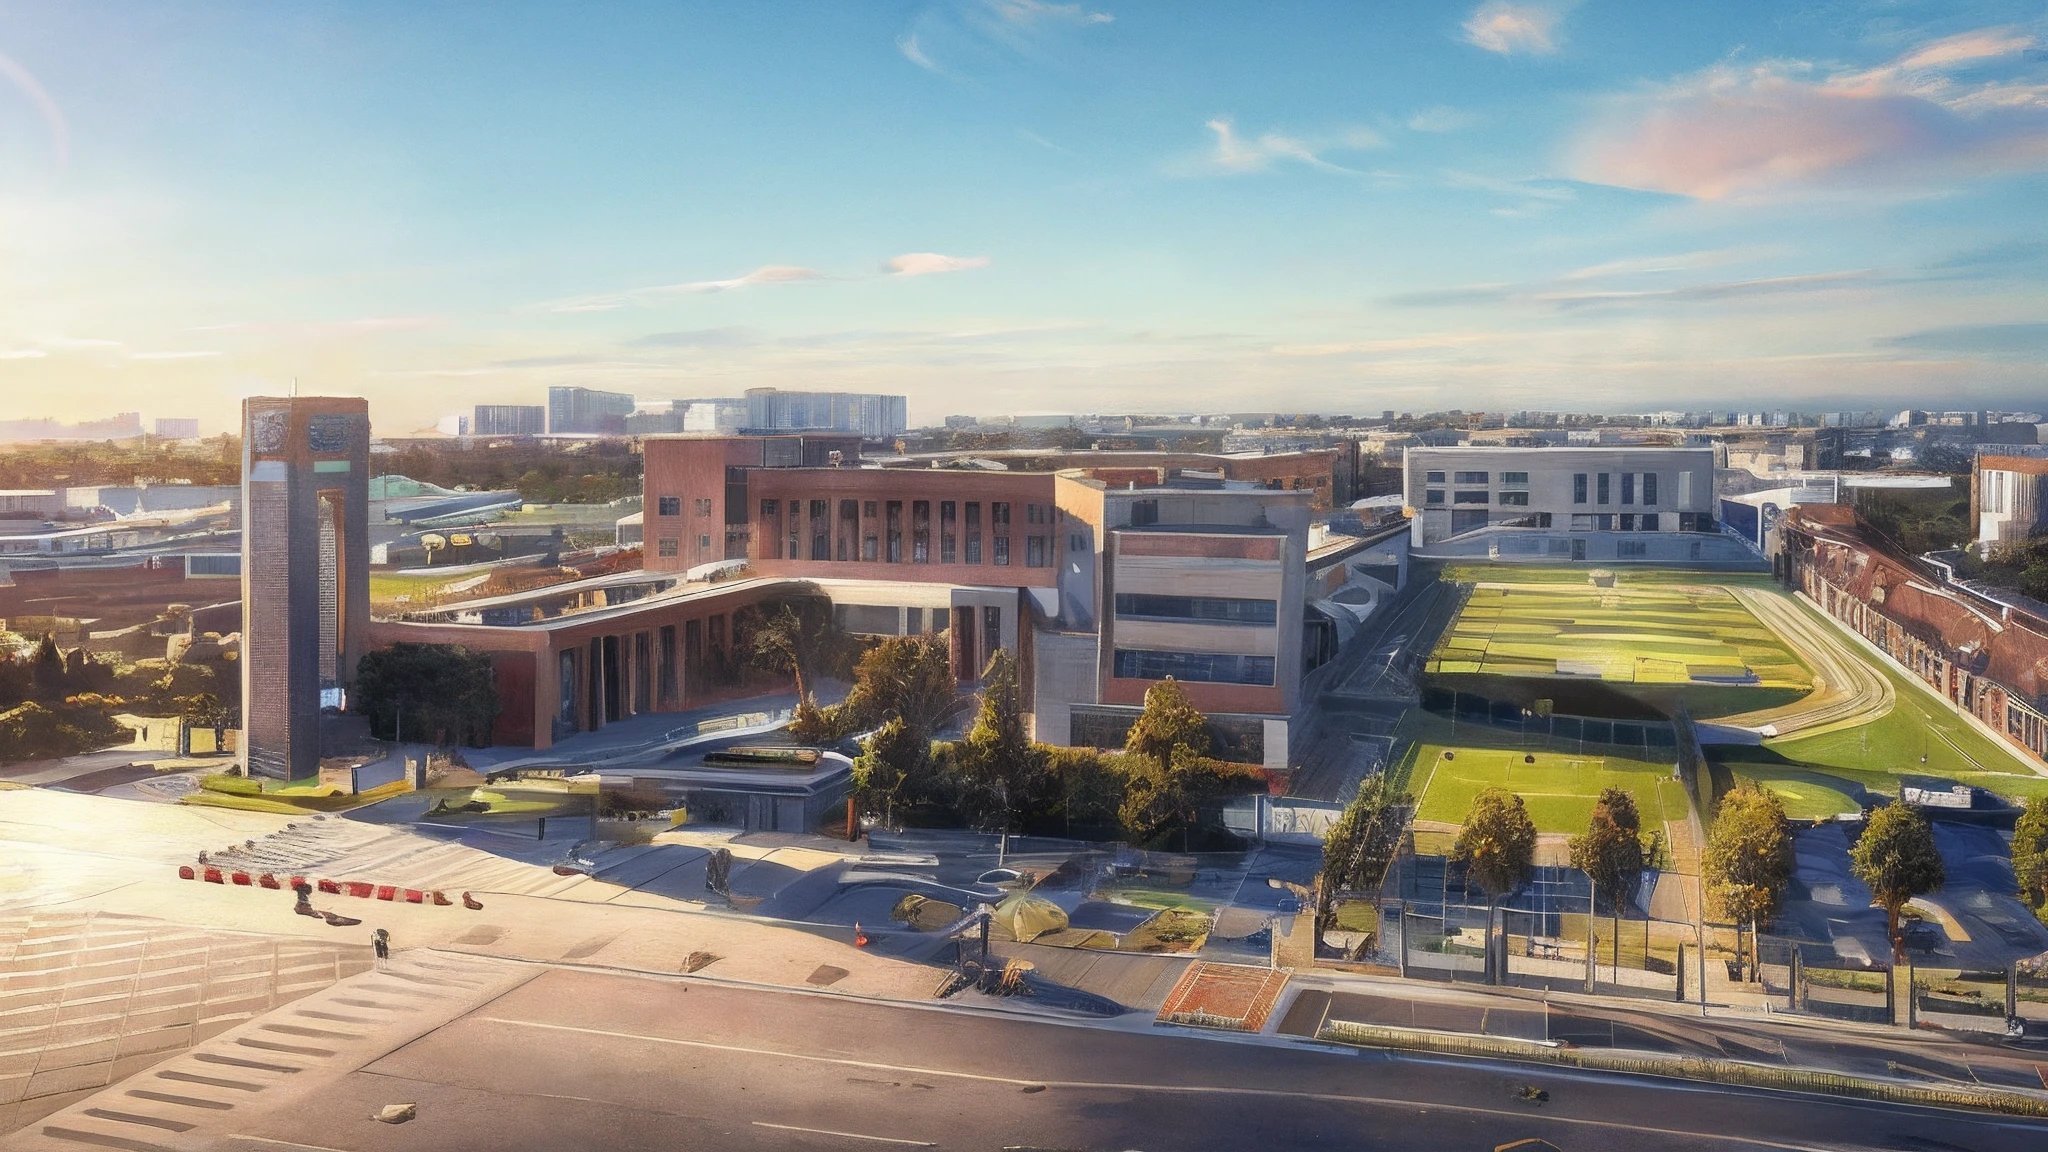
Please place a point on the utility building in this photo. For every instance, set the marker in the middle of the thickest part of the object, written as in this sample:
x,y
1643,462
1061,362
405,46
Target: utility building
x,y
305,571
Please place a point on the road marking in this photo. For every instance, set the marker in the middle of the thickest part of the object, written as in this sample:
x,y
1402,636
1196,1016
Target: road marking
x,y
1184,1089
845,1135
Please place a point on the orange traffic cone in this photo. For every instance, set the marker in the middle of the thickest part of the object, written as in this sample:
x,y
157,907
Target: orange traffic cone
x,y
860,938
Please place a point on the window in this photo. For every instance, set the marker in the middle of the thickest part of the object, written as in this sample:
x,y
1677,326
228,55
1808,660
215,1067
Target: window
x,y
703,506
1543,519
867,509
1649,488
867,546
849,527
1076,542
895,517
1002,550
1628,487
1628,521
1035,513
1433,496
1514,478
1606,493
949,539
1220,609
1432,477
1144,512
1516,499
999,514
821,530
920,531
1631,549
703,545
1194,667
666,546
1472,477
1603,521
973,532
771,529
1034,551
1579,488
1477,496
669,506
796,529
1649,521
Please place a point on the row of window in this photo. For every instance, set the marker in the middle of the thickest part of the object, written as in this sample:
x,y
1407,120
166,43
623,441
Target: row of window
x,y
889,544
1615,522
1216,609
1477,496
673,506
1603,487
1194,667
1507,479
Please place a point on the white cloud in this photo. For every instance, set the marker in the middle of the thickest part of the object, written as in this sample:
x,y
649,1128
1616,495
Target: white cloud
x,y
24,354
907,44
1028,12
1235,153
1441,119
766,274
1508,28
1782,126
928,263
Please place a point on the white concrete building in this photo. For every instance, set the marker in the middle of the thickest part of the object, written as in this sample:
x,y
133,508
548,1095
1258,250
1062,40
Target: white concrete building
x,y
1592,504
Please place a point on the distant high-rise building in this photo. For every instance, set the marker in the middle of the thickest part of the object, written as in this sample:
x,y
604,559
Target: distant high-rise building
x,y
453,424
586,410
305,571
718,414
509,420
177,428
873,416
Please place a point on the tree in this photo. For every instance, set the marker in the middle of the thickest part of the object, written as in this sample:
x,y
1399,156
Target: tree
x,y
436,691
1168,722
796,637
1002,772
1360,846
1497,843
47,670
1161,799
1610,851
1748,860
2030,852
890,759
1896,859
910,677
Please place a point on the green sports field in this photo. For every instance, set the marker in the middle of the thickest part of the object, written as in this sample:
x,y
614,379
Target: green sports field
x,y
1559,787
1666,634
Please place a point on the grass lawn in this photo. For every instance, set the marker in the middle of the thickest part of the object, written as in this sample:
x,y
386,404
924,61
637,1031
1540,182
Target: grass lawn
x,y
1681,633
245,794
387,587
1559,788
1839,771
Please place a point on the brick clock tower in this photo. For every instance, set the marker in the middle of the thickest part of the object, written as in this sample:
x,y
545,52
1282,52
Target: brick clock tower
x,y
305,572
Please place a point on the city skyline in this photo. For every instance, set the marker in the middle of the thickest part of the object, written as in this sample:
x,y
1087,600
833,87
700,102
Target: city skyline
x,y
1017,206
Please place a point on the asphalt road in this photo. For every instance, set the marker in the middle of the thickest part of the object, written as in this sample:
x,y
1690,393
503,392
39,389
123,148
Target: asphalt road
x,y
587,1060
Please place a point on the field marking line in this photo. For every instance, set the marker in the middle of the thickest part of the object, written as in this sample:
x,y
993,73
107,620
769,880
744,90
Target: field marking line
x,y
844,1135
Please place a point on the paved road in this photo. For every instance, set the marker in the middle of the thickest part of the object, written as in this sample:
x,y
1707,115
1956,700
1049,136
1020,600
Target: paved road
x,y
576,1059
1847,690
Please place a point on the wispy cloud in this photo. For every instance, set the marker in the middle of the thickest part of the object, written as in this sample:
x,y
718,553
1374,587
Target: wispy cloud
x,y
206,355
1576,289
766,274
2026,341
693,338
23,354
45,106
1236,153
1441,118
929,263
1508,28
955,38
1786,126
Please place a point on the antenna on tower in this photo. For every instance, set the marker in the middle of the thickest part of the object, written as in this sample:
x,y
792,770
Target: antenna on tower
x,y
295,387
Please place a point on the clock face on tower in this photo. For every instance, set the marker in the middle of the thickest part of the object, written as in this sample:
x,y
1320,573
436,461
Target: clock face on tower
x,y
267,431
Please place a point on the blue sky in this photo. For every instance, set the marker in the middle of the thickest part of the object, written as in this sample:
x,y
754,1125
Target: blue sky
x,y
1021,206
